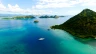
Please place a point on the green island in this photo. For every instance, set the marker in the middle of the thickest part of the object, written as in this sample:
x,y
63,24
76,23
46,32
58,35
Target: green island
x,y
7,18
21,17
46,16
82,25
36,21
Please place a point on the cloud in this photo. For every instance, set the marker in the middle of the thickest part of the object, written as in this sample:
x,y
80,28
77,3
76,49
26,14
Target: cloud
x,y
88,3
46,6
72,12
72,4
37,11
41,4
11,9
18,10
56,3
2,7
15,8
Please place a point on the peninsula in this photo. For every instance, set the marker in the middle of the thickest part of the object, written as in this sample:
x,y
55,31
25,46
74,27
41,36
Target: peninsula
x,y
82,25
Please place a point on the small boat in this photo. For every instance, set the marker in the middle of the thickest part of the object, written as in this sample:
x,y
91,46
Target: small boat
x,y
41,38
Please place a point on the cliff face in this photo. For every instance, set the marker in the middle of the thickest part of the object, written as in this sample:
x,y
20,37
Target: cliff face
x,y
82,25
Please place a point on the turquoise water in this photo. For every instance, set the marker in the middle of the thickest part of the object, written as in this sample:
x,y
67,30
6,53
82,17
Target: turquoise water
x,y
22,37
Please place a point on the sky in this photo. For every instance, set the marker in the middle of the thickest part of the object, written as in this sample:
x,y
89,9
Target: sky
x,y
50,7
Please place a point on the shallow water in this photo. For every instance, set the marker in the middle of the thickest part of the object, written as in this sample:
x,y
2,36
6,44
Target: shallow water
x,y
22,37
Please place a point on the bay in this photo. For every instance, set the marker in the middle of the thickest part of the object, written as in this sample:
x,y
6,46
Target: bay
x,y
24,37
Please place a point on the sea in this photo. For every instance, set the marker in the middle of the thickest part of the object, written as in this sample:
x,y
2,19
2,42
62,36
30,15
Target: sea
x,y
27,37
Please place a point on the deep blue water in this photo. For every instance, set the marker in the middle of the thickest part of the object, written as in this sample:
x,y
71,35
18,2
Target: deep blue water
x,y
22,37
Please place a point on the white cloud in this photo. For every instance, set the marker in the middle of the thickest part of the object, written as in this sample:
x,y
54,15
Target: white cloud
x,y
42,5
56,3
89,3
15,8
36,11
72,12
49,4
63,3
2,7
11,9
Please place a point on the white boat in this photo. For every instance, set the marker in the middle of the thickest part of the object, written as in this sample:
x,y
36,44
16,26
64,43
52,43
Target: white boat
x,y
41,38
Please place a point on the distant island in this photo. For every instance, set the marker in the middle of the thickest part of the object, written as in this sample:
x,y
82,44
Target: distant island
x,y
36,21
21,17
46,16
82,25
24,17
31,17
61,16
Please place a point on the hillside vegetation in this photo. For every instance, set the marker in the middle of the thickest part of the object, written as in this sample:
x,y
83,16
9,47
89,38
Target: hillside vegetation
x,y
82,25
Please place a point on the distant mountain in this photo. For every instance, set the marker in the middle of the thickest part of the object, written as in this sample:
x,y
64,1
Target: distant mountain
x,y
82,25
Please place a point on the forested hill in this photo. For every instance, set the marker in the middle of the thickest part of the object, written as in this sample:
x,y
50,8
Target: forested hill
x,y
82,25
